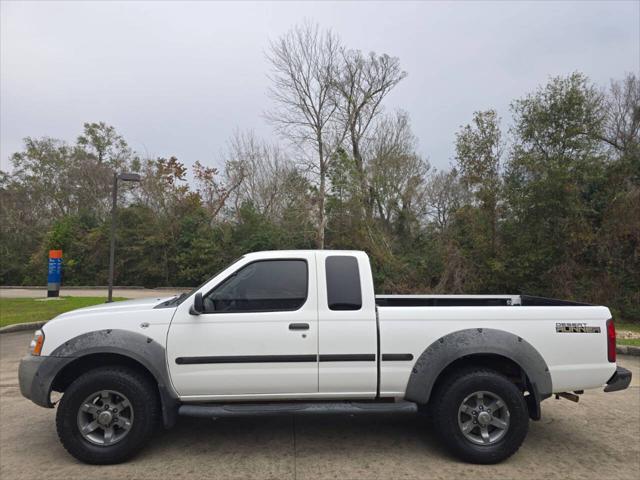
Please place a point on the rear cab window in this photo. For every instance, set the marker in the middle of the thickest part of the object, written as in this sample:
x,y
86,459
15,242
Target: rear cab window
x,y
344,291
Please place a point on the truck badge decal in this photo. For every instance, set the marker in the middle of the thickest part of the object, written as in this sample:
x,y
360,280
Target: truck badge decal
x,y
576,328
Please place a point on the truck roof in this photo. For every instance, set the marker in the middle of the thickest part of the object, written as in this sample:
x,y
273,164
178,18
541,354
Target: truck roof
x,y
267,253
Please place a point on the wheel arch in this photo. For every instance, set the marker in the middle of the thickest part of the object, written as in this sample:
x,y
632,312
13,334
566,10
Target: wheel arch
x,y
118,347
502,351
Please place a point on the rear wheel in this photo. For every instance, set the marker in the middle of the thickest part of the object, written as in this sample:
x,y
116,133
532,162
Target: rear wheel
x,y
107,415
481,416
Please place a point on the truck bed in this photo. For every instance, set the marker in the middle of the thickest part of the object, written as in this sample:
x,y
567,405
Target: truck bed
x,y
471,301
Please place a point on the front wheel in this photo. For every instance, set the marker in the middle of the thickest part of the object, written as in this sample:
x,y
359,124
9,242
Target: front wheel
x,y
107,415
481,416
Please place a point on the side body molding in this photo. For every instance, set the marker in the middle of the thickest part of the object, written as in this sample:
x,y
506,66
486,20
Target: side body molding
x,y
462,343
135,346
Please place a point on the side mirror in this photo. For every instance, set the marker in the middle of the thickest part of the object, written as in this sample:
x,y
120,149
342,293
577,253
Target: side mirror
x,y
198,305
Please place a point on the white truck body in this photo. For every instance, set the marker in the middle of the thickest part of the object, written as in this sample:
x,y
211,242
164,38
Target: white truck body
x,y
382,348
575,361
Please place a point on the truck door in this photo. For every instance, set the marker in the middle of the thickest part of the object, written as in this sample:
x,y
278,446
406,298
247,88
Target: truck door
x,y
347,325
257,337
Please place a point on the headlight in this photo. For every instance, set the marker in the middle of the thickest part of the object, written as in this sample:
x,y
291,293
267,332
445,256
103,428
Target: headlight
x,y
35,347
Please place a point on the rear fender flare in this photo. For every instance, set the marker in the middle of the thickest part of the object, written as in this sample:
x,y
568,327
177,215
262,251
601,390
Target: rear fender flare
x,y
488,341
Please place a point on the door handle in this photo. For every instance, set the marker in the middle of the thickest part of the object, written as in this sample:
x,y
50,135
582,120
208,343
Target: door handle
x,y
298,326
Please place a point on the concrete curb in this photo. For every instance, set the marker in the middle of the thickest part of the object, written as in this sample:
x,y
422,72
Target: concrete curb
x,y
20,327
628,350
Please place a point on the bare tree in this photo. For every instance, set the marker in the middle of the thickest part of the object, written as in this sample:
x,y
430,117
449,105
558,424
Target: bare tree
x,y
363,82
396,173
622,125
304,63
261,171
444,194
212,189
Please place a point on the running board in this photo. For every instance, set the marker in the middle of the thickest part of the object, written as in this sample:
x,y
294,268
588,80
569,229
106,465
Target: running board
x,y
318,408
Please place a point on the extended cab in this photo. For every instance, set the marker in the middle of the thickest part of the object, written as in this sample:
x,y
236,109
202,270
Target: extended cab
x,y
302,332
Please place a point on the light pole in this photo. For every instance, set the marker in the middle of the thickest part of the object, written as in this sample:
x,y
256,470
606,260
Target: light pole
x,y
125,177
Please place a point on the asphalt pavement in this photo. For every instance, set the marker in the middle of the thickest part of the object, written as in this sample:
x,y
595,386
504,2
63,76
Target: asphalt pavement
x,y
597,438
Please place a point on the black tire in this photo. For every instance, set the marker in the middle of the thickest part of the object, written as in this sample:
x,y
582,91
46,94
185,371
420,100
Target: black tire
x,y
141,394
448,398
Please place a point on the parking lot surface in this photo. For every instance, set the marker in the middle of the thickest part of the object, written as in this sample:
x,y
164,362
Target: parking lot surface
x,y
597,438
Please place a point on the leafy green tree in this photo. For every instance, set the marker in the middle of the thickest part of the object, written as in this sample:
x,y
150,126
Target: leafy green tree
x,y
554,170
479,149
345,226
617,271
101,142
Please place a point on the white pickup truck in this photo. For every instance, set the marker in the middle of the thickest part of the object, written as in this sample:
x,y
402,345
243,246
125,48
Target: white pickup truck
x,y
302,332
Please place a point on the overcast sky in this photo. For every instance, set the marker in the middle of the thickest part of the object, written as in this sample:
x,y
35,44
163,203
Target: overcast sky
x,y
178,78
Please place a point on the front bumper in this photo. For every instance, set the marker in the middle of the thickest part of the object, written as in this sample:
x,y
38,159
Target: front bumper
x,y
36,375
619,381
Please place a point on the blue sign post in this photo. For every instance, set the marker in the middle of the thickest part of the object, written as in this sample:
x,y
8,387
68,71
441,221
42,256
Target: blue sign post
x,y
54,277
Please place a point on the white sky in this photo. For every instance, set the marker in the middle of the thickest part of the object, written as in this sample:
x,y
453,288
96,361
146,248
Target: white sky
x,y
179,78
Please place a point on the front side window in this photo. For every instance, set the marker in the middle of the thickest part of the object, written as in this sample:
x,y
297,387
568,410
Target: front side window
x,y
343,283
262,286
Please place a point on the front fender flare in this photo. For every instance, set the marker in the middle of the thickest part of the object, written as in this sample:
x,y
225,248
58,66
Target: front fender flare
x,y
140,348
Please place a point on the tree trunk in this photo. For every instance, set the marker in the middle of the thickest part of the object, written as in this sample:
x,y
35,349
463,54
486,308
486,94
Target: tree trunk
x,y
493,218
321,198
367,202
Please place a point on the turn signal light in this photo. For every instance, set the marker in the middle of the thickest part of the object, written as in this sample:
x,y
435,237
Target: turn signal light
x,y
36,344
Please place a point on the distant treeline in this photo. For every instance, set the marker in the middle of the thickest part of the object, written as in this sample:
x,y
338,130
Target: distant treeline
x,y
549,206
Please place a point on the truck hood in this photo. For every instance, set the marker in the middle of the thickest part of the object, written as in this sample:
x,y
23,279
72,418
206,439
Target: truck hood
x,y
137,316
125,306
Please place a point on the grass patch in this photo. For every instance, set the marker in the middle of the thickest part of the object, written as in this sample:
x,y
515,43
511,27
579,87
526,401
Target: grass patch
x,y
23,310
631,327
